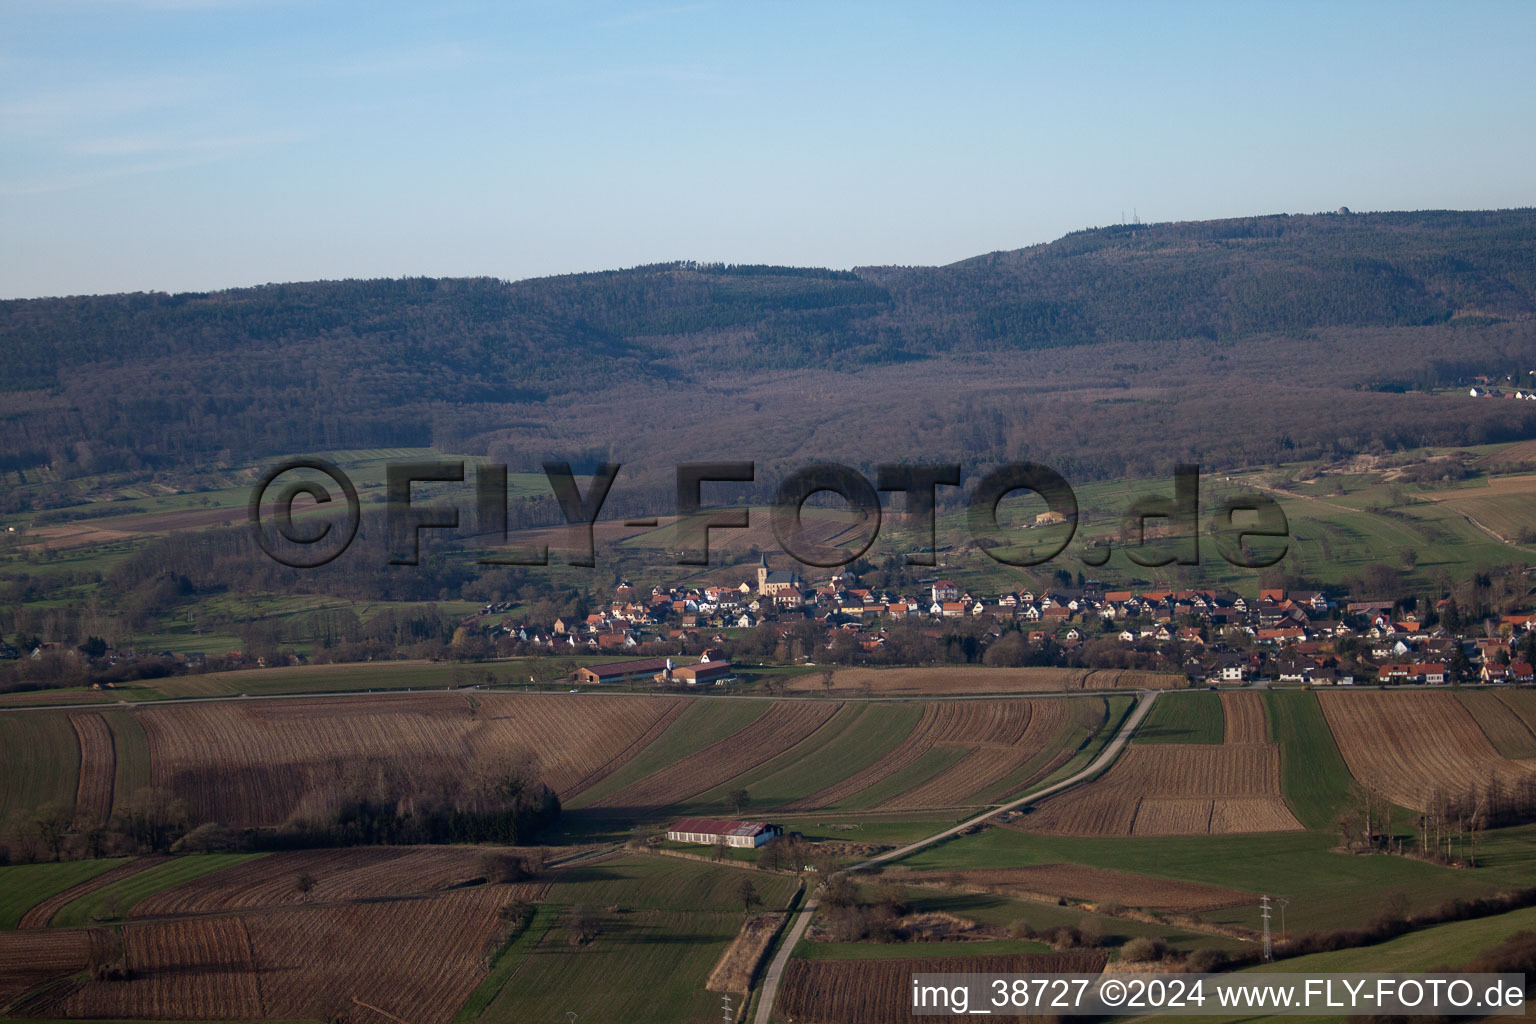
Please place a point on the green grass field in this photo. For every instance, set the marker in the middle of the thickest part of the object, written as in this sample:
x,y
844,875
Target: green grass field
x,y
644,882
39,764
901,950
885,829
1328,890
117,899
1193,717
702,722
1003,912
1314,778
24,886
647,966
665,923
508,960
130,749
1447,945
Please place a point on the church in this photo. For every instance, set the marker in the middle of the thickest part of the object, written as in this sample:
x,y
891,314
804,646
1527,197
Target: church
x,y
771,584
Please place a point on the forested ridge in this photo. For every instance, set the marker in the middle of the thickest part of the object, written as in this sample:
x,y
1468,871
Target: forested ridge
x,y
119,382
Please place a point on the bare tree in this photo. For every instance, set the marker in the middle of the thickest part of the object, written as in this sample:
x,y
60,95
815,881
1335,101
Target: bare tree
x,y
747,893
52,821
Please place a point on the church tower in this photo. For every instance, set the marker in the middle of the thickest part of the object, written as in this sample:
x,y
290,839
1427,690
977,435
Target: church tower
x,y
762,574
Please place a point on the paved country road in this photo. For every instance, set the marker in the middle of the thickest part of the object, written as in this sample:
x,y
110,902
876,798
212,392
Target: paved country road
x,y
797,927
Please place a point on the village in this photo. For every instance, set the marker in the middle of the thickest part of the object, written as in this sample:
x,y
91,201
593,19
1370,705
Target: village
x,y
1211,636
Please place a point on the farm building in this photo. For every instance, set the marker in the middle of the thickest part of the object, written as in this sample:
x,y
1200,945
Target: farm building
x,y
694,675
619,671
711,831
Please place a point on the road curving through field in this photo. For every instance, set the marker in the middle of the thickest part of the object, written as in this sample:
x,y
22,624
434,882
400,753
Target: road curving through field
x,y
796,930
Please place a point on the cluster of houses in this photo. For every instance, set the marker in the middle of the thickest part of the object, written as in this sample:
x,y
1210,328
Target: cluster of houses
x,y
1484,386
1211,635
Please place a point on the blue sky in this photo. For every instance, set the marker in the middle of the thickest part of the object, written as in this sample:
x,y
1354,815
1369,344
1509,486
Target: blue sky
x,y
196,144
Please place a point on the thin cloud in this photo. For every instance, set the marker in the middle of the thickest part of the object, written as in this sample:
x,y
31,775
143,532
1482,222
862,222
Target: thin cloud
x,y
54,112
138,145
83,179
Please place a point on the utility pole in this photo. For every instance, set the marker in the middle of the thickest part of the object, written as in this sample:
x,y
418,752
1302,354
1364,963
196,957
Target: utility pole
x,y
1269,948
726,1015
1284,935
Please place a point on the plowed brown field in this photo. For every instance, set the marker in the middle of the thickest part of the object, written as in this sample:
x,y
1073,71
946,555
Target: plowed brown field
x,y
1242,713
256,763
880,991
363,872
1522,703
1000,735
93,793
1098,885
978,679
1508,733
1174,789
782,726
1409,746
32,958
412,959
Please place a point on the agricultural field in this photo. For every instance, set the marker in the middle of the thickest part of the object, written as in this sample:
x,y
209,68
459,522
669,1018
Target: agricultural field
x,y
781,726
1088,885
1448,945
667,883
1495,716
1412,747
956,751
34,958
996,913
877,991
1243,718
39,764
1328,889
353,873
118,899
98,769
694,725
260,762
1194,717
861,733
130,754
663,926
1180,788
975,679
1502,505
298,963
41,914
1523,704
23,886
1314,778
